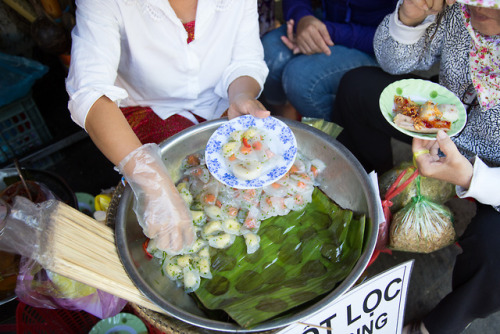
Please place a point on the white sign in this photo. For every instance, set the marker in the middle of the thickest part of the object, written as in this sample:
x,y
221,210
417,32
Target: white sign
x,y
374,181
376,306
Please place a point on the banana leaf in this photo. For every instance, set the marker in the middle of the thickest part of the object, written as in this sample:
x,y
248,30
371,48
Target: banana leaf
x,y
302,255
329,128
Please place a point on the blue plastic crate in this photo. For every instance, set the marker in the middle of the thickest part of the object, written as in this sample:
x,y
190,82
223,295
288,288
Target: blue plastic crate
x,y
18,76
22,128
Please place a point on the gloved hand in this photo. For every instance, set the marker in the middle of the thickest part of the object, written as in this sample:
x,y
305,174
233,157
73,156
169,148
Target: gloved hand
x,y
161,212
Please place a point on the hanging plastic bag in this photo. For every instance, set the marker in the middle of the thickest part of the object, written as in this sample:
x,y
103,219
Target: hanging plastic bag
x,y
26,232
421,226
43,288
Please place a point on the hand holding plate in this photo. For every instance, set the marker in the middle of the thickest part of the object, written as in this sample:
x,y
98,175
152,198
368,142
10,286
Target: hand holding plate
x,y
244,104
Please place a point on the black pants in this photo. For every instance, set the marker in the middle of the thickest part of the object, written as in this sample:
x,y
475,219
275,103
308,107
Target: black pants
x,y
476,275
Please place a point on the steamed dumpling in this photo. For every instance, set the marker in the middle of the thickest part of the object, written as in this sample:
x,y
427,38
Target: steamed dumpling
x,y
450,112
221,241
252,241
191,279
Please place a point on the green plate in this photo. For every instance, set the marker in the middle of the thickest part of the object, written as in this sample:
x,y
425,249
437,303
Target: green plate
x,y
421,91
122,323
85,202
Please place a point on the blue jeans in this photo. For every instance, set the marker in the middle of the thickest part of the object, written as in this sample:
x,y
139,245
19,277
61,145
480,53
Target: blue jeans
x,y
308,82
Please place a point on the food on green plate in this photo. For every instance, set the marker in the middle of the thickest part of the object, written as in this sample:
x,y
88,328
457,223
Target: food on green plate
x,y
428,117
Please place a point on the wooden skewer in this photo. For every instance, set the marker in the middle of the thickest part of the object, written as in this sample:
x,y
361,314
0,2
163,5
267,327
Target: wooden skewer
x,y
82,249
22,9
316,326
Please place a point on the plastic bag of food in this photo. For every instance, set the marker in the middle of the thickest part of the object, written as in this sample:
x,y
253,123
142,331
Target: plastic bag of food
x,y
393,191
27,232
421,226
434,190
43,288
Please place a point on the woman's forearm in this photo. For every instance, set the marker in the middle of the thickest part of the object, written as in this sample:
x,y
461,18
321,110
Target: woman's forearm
x,y
243,85
484,185
110,131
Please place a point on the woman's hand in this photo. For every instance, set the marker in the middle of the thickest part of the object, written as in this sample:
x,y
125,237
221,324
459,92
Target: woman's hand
x,y
453,167
289,39
161,211
244,104
313,36
413,12
242,93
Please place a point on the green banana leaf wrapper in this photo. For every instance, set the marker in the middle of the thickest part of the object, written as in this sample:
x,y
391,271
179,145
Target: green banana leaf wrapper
x,y
329,128
302,255
434,190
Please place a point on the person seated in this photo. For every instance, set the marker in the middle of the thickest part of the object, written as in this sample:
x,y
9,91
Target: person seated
x,y
144,70
267,17
308,55
465,37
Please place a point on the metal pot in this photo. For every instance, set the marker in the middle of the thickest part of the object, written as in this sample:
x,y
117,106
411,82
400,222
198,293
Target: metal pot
x,y
344,181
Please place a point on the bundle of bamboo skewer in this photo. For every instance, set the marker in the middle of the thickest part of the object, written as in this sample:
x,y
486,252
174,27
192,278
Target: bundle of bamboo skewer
x,y
82,249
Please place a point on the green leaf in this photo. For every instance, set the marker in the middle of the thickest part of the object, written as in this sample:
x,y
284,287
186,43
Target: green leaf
x,y
302,255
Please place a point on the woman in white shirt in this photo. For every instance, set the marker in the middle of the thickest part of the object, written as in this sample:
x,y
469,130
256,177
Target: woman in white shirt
x,y
167,65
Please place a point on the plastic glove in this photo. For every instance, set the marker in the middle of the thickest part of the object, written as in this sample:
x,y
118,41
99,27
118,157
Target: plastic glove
x,y
161,212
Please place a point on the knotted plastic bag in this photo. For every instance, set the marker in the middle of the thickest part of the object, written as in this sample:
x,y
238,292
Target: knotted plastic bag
x,y
392,192
40,287
437,191
421,226
26,231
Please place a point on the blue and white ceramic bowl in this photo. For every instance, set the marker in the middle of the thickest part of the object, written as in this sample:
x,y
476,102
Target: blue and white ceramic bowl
x,y
281,141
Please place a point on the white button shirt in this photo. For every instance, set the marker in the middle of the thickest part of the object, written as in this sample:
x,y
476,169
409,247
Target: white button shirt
x,y
135,52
